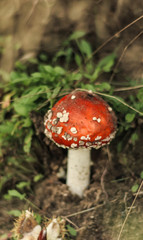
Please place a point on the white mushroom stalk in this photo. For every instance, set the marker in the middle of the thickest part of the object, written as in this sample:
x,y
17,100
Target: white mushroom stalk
x,y
78,170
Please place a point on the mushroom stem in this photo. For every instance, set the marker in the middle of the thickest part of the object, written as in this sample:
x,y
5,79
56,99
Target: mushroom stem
x,y
78,170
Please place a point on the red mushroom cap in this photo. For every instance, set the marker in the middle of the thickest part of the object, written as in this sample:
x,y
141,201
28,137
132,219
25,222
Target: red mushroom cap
x,y
80,119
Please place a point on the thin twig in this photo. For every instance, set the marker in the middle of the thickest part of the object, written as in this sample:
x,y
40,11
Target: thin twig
x,y
35,94
99,93
119,100
84,211
107,41
130,209
70,222
102,180
25,96
123,53
116,34
35,3
128,88
105,172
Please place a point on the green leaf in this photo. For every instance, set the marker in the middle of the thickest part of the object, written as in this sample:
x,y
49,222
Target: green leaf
x,y
48,68
27,141
140,95
15,213
95,74
43,57
141,175
4,179
104,86
7,197
30,159
76,35
23,109
15,127
88,87
68,52
78,60
22,185
72,231
27,122
37,75
16,78
119,147
107,63
33,60
75,76
85,48
55,92
38,218
134,137
89,68
15,193
20,66
117,105
134,188
6,128
38,177
32,94
59,54
130,117
59,70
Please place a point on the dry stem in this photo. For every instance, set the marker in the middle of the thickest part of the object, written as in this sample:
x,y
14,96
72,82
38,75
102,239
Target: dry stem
x,y
130,209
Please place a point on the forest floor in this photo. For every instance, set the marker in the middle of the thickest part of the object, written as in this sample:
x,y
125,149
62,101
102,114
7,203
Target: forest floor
x,y
100,214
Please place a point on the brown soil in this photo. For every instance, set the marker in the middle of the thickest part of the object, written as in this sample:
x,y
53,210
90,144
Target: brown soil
x,y
103,208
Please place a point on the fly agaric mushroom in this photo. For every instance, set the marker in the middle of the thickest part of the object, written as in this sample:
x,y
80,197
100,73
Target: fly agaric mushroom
x,y
79,121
